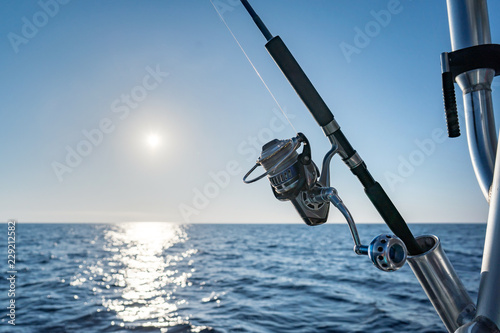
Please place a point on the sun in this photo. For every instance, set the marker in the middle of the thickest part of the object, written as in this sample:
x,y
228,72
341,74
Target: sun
x,y
153,140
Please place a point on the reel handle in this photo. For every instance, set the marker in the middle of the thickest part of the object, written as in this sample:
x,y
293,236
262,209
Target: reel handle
x,y
387,252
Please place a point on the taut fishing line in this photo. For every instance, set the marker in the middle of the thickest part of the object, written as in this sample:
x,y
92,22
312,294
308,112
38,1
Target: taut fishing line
x,y
253,66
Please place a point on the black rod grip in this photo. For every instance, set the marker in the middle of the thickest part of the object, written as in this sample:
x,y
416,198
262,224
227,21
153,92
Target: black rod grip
x,y
391,216
364,176
299,81
450,105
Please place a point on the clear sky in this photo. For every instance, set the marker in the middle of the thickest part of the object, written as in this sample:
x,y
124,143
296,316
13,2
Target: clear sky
x,y
126,110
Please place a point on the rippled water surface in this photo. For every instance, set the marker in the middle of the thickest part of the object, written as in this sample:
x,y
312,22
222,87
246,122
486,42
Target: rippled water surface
x,y
160,277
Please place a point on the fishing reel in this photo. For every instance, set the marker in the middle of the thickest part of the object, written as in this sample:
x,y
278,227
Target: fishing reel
x,y
295,177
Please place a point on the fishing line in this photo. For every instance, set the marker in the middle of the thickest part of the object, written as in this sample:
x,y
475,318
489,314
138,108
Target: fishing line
x,y
253,66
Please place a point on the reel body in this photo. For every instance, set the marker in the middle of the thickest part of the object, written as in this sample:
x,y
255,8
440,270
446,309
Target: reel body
x,y
292,176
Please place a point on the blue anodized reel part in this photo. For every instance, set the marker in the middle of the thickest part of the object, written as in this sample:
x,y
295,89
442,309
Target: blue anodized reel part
x,y
387,252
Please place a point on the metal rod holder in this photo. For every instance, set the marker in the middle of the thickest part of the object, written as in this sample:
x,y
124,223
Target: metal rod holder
x,y
442,284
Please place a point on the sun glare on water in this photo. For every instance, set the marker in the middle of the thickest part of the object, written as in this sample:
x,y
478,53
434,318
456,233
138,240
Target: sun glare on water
x,y
146,276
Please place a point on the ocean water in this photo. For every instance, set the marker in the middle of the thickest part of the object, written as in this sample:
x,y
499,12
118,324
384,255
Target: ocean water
x,y
160,277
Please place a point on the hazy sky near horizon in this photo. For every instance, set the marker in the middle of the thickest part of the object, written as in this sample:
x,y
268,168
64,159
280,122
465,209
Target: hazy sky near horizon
x,y
148,110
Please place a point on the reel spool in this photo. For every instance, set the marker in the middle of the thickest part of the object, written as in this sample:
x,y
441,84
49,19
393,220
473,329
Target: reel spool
x,y
287,171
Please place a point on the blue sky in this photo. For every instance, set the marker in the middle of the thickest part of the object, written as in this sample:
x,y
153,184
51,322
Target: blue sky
x,y
86,84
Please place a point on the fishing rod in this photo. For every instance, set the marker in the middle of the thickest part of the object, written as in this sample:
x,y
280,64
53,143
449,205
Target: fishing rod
x,y
303,194
294,177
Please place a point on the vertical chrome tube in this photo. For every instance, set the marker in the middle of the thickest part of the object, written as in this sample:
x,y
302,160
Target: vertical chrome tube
x,y
469,23
480,124
469,26
488,303
441,283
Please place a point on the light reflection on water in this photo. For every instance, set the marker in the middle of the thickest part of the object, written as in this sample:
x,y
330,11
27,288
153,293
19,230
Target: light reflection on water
x,y
139,277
